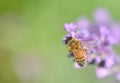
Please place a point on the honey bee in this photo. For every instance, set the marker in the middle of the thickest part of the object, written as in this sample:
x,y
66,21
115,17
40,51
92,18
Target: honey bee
x,y
79,53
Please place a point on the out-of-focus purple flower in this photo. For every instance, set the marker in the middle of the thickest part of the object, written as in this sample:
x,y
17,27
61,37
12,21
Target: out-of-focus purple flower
x,y
98,38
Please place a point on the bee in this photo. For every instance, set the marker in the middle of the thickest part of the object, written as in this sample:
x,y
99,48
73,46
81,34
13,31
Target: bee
x,y
76,50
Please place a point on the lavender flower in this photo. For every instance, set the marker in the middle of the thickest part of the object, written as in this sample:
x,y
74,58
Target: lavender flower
x,y
98,38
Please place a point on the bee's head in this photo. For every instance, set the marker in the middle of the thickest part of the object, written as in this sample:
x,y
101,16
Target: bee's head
x,y
73,44
68,39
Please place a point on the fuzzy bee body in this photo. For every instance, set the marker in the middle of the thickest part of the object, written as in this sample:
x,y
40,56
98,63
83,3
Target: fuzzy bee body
x,y
79,54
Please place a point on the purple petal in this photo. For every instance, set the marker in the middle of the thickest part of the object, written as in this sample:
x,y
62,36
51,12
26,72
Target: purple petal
x,y
90,58
118,76
104,30
83,23
112,40
76,65
103,72
101,15
98,59
82,34
109,61
70,27
72,34
116,32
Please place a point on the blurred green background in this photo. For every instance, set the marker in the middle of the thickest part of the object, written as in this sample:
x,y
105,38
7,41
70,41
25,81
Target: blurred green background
x,y
31,32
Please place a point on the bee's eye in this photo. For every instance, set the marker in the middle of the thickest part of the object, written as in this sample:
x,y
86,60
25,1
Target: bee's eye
x,y
72,43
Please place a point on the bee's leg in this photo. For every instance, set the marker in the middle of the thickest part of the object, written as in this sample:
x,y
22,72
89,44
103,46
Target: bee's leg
x,y
70,54
73,60
85,49
92,62
80,64
102,63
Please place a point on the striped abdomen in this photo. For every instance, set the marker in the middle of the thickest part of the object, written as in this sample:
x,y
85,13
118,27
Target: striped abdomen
x,y
80,56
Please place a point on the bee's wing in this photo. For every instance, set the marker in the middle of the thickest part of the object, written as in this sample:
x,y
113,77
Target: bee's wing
x,y
89,44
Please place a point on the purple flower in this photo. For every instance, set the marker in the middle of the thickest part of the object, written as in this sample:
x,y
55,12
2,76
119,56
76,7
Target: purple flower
x,y
98,38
